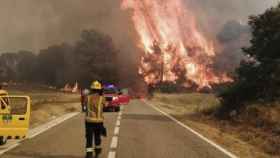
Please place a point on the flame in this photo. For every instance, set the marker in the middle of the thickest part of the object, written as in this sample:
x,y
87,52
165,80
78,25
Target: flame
x,y
173,44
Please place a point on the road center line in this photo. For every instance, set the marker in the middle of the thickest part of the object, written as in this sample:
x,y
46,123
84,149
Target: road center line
x,y
118,123
114,141
117,131
112,154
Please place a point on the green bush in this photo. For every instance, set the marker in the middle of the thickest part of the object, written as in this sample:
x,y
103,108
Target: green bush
x,y
258,77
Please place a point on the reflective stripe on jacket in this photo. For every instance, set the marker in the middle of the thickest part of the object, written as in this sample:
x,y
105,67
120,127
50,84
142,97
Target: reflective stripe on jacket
x,y
95,108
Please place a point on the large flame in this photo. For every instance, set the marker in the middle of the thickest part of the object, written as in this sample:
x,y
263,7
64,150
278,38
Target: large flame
x,y
174,46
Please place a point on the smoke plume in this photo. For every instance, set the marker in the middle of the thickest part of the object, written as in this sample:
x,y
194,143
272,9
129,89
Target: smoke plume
x,y
34,25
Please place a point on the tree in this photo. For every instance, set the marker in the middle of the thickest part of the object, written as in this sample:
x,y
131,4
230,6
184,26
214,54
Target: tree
x,y
8,66
93,57
26,66
55,65
96,58
259,76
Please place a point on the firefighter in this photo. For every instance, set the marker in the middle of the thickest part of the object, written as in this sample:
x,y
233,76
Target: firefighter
x,y
94,119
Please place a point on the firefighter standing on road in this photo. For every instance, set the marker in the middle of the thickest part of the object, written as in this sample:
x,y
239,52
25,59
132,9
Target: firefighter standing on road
x,y
94,119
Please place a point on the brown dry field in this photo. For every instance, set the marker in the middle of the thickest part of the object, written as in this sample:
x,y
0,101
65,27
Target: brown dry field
x,y
47,104
255,133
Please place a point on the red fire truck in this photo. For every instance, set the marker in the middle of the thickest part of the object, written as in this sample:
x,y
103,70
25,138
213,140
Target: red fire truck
x,y
115,98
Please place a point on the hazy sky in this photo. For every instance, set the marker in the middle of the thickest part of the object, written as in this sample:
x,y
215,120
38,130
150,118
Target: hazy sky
x,y
36,24
217,12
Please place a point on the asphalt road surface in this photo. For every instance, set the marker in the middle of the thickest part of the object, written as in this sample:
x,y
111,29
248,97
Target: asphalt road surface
x,y
139,131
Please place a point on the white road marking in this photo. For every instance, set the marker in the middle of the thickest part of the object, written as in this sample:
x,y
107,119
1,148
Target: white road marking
x,y
112,154
117,131
120,113
118,123
114,143
40,129
12,146
193,131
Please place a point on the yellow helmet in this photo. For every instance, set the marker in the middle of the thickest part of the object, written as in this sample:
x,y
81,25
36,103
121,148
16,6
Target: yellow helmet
x,y
96,85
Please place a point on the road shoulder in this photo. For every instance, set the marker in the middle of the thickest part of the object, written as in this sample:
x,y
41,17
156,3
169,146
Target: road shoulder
x,y
206,128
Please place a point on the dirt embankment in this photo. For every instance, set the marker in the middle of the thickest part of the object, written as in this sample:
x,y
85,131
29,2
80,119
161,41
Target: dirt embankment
x,y
254,133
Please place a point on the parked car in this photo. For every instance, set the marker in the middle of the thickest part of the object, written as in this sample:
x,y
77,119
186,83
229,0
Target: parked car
x,y
111,94
123,97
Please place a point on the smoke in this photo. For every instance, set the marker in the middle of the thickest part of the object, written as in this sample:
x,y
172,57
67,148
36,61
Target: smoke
x,y
215,13
226,21
34,25
233,36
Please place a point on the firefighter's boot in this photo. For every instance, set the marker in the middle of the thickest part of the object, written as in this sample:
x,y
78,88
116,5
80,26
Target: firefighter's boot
x,y
89,155
97,152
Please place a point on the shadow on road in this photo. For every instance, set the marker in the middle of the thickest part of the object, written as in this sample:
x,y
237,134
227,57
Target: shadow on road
x,y
145,117
40,155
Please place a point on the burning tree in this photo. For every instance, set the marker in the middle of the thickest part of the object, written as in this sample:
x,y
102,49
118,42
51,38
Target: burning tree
x,y
174,47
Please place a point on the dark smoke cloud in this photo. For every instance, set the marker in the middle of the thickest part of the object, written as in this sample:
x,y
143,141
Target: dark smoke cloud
x,y
215,13
33,24
37,24
233,36
226,22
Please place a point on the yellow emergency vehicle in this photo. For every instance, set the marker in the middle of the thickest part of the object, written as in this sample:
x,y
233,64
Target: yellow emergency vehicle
x,y
14,116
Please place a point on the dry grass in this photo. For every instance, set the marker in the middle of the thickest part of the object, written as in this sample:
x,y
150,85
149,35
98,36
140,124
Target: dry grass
x,y
48,104
254,133
188,103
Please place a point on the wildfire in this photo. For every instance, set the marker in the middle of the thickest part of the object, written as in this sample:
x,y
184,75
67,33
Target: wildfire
x,y
174,46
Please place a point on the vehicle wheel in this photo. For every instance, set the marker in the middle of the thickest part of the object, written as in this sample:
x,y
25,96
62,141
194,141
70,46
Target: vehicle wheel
x,y
117,109
112,109
3,140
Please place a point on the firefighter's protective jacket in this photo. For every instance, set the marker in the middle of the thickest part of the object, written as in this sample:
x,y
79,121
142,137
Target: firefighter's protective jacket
x,y
94,111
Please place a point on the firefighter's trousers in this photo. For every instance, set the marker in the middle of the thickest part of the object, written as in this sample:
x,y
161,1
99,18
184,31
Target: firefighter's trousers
x,y
93,131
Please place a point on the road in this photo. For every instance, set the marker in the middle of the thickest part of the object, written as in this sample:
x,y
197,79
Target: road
x,y
139,131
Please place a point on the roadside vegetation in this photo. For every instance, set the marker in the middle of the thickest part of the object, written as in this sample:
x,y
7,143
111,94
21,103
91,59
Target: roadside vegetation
x,y
258,78
64,63
250,134
245,115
